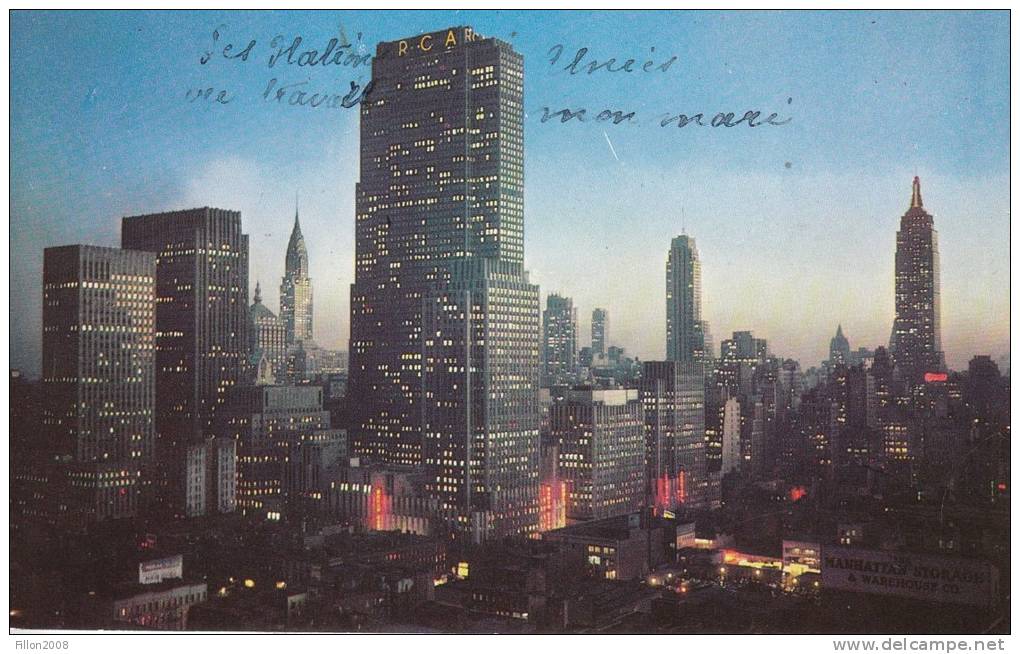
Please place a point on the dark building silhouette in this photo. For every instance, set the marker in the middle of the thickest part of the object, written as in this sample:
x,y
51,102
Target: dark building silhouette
x,y
201,349
839,349
916,343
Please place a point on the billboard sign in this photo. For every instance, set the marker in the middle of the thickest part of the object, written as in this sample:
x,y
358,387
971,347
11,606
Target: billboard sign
x,y
924,577
153,572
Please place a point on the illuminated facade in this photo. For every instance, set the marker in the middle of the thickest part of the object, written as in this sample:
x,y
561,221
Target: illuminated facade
x,y
599,331
685,337
601,438
673,395
163,607
201,333
296,289
731,436
288,454
98,372
552,500
614,548
387,498
210,476
481,374
559,321
916,343
740,358
445,330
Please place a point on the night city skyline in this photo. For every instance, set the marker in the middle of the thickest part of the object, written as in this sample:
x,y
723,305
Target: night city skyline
x,y
732,191
581,359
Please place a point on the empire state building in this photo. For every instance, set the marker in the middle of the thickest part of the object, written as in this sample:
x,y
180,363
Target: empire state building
x,y
916,342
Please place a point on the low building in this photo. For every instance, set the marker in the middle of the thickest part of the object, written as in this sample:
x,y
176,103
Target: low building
x,y
622,547
800,557
162,606
383,497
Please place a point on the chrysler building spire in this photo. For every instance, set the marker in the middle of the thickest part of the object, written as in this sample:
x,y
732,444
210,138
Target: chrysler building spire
x,y
296,288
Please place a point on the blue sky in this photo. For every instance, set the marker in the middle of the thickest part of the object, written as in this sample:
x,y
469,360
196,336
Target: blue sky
x,y
796,224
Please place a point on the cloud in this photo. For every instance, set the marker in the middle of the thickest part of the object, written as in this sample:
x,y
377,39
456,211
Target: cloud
x,y
265,197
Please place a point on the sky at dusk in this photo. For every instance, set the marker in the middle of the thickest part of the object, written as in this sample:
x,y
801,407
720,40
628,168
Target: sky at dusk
x,y
796,224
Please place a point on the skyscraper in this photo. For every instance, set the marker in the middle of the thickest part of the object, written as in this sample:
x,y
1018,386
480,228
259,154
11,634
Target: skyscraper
x,y
600,436
599,331
201,346
731,436
673,395
740,359
98,375
445,333
839,349
559,322
916,343
685,338
296,289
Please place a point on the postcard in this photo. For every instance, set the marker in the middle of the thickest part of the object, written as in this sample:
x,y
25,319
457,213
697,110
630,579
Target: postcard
x,y
502,321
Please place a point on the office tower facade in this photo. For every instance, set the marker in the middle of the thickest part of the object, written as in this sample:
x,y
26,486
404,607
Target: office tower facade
x,y
480,388
287,448
753,439
380,497
296,289
706,333
201,342
559,322
267,339
210,476
98,378
685,338
445,333
740,359
839,349
916,343
714,413
791,384
673,396
731,458
600,436
599,331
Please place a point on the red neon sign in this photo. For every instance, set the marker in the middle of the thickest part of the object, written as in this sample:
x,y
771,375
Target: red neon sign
x,y
545,499
930,377
379,509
